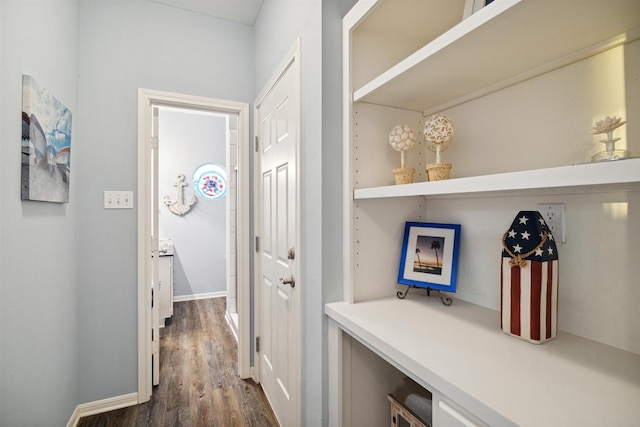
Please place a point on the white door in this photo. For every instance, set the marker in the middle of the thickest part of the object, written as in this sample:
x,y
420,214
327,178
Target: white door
x,y
155,273
278,252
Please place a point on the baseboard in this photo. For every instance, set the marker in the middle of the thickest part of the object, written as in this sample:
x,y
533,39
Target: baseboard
x,y
192,297
233,325
100,406
254,377
75,417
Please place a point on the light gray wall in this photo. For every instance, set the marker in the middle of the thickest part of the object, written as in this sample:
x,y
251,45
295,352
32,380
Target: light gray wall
x,y
2,138
125,46
187,141
2,381
332,257
39,320
278,26
317,24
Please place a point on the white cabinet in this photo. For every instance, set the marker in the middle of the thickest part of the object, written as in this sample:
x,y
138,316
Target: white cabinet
x,y
523,81
165,287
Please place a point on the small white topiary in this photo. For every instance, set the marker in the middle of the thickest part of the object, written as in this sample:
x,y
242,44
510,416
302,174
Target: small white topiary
x,y
401,138
438,131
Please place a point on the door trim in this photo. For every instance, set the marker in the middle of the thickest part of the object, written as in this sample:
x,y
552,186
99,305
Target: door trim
x,y
146,99
292,60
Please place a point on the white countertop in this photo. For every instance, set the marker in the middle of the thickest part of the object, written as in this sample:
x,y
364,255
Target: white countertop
x,y
461,351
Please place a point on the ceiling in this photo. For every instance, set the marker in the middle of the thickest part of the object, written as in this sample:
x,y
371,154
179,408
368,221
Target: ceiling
x,y
242,11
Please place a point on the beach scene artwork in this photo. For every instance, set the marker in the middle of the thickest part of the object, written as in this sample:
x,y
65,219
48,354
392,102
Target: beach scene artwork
x,y
46,145
428,255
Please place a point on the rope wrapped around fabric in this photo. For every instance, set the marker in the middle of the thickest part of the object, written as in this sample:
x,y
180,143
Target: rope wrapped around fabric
x,y
519,260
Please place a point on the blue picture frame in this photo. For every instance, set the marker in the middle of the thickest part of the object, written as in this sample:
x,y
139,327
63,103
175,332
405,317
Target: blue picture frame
x,y
430,256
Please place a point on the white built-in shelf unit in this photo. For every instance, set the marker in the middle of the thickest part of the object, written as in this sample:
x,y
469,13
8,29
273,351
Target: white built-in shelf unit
x,y
405,60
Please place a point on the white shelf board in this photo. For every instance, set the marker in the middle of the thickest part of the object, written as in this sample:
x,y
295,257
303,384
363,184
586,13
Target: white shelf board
x,y
461,352
416,20
569,179
506,39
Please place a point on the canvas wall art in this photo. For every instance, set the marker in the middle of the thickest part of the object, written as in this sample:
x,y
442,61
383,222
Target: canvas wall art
x,y
46,145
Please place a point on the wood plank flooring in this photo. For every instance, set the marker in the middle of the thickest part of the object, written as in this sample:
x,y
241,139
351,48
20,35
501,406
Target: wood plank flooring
x,y
199,385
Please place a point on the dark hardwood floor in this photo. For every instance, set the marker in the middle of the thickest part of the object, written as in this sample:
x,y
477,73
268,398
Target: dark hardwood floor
x,y
199,385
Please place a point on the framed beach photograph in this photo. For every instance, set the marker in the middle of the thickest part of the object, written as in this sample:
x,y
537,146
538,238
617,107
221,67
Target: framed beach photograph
x,y
430,256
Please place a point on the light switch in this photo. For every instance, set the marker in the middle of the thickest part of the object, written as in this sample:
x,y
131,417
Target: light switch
x,y
118,199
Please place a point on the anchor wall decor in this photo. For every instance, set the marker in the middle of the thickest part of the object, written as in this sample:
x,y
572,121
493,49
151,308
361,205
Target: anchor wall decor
x,y
178,207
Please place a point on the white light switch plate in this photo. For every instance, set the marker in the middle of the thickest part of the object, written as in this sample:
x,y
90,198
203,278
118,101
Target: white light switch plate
x,y
118,199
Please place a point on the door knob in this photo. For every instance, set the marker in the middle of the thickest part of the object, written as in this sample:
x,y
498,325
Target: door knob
x,y
291,281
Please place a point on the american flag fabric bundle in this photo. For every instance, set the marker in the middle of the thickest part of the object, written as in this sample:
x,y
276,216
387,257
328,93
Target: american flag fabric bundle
x,y
529,279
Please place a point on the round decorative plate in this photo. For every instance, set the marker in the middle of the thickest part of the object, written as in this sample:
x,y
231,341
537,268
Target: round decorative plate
x,y
210,181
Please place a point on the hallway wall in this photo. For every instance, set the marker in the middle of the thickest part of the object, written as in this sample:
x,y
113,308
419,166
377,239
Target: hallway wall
x,y
39,319
276,30
332,183
94,55
278,26
125,46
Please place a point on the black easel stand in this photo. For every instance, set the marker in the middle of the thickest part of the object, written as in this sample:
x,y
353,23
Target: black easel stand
x,y
445,299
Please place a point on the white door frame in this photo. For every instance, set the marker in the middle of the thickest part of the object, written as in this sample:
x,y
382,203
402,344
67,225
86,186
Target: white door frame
x,y
146,99
292,60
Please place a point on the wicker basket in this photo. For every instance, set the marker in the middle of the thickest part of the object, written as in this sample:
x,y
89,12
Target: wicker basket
x,y
404,175
438,171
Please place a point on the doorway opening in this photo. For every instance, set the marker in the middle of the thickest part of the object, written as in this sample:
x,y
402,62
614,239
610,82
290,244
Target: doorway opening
x,y
197,192
154,106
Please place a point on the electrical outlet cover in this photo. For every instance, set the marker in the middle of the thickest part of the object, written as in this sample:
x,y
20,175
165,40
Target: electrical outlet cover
x,y
553,215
